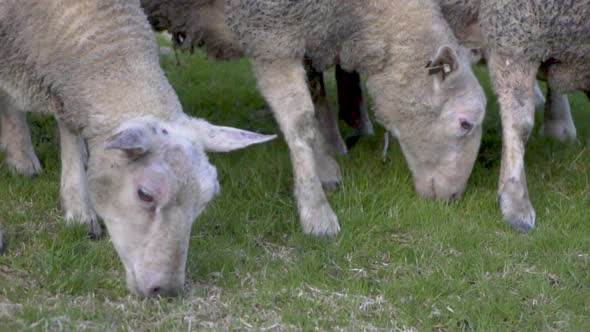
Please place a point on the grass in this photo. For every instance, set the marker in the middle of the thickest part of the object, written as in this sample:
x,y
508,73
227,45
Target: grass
x,y
400,262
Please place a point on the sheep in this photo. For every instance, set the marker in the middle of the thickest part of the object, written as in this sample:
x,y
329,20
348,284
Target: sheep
x,y
421,83
94,66
521,39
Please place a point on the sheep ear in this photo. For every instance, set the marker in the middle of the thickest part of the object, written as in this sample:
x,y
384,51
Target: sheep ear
x,y
224,139
132,141
445,63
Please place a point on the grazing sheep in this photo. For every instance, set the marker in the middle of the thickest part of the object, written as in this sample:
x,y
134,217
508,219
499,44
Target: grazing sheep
x,y
522,38
435,112
94,66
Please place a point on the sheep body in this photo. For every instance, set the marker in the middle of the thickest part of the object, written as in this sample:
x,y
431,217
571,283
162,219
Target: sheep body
x,y
390,44
94,65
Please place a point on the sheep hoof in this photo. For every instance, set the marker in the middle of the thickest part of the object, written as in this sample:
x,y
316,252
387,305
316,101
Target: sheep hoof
x,y
26,166
518,213
320,221
329,173
560,130
88,218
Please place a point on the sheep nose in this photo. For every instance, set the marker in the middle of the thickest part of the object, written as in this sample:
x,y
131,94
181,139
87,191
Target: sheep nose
x,y
161,291
160,285
157,291
439,189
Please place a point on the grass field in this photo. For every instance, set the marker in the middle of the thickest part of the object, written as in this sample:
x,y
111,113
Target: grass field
x,y
399,263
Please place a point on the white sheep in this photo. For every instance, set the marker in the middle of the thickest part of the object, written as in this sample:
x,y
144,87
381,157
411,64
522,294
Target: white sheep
x,y
435,112
94,65
522,38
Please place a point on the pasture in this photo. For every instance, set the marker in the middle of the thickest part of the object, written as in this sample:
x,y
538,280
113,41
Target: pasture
x,y
399,263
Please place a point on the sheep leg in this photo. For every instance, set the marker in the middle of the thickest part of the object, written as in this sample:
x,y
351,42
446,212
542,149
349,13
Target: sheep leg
x,y
513,82
74,195
328,124
15,139
352,105
283,85
558,123
329,143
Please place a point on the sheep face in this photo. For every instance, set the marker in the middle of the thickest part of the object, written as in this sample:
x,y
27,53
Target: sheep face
x,y
441,144
149,183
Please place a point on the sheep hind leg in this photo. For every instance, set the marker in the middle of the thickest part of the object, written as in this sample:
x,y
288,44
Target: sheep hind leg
x,y
328,123
283,85
513,82
329,143
15,139
557,121
74,195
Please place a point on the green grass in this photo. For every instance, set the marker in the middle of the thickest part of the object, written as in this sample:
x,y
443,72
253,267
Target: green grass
x,y
400,262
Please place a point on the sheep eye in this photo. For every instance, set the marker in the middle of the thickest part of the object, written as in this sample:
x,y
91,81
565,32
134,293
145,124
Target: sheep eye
x,y
145,196
467,125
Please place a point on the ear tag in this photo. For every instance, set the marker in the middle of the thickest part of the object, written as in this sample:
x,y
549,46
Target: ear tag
x,y
445,69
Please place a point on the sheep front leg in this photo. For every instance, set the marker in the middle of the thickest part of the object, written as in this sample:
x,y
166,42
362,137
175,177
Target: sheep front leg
x,y
283,85
513,83
15,139
74,196
558,123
